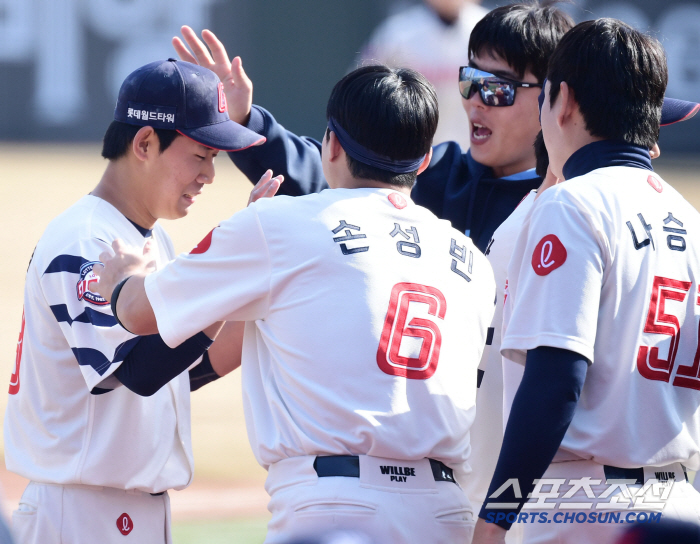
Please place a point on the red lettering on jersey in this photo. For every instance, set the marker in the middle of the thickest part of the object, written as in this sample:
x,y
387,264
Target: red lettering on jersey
x,y
14,379
549,255
655,183
658,321
124,524
395,329
398,201
203,246
223,106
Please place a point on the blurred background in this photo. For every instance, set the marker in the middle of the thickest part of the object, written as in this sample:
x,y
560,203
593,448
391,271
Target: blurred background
x,y
61,64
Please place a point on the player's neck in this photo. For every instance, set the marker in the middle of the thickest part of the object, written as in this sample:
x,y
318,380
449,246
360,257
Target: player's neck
x,y
119,187
350,182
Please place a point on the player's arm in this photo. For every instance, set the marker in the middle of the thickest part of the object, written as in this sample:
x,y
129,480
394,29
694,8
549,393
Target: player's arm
x,y
542,411
297,158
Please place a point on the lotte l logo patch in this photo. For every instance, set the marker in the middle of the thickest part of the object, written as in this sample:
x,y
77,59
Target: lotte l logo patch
x,y
202,246
549,255
655,183
397,200
124,524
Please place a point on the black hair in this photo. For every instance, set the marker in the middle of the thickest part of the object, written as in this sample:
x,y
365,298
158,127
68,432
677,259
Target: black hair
x,y
618,77
391,111
541,156
119,136
524,35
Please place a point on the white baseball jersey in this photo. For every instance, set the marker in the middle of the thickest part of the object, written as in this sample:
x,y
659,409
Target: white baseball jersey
x,y
366,317
64,424
489,424
606,267
416,38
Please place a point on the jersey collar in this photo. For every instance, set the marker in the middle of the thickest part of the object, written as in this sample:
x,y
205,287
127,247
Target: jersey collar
x,y
606,153
146,233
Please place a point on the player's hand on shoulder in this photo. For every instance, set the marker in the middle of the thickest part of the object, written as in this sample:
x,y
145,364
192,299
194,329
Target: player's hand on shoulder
x,y
237,85
124,262
266,187
488,533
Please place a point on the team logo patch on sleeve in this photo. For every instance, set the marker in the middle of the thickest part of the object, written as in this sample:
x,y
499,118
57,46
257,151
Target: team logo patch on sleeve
x,y
203,246
124,524
87,279
549,255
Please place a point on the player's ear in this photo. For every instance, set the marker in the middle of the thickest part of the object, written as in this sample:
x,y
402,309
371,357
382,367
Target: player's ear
x,y
144,142
567,104
426,162
334,147
655,152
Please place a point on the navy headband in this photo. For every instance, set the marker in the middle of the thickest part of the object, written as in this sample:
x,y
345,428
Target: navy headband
x,y
369,157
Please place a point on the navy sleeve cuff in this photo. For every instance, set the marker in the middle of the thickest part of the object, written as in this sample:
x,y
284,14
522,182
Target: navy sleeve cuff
x,y
256,123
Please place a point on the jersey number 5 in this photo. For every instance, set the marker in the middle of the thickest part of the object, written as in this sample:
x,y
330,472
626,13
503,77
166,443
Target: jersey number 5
x,y
410,299
659,321
14,379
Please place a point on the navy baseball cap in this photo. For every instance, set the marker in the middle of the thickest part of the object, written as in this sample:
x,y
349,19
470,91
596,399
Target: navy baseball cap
x,y
177,95
675,111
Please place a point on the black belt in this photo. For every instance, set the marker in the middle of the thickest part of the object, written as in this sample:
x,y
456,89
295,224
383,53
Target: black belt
x,y
637,474
349,467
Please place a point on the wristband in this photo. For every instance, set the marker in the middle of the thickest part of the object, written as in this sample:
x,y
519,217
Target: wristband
x,y
113,303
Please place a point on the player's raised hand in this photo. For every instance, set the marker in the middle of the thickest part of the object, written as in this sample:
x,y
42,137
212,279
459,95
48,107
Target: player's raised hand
x,y
126,261
266,187
237,85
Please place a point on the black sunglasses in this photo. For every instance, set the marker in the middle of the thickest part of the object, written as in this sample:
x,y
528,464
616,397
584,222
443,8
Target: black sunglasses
x,y
494,90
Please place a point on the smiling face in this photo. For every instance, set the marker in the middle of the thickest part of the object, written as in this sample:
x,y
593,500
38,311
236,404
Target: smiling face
x,y
177,176
502,137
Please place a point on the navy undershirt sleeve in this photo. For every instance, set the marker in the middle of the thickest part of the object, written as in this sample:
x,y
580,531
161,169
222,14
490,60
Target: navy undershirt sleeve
x,y
298,158
151,363
203,373
543,408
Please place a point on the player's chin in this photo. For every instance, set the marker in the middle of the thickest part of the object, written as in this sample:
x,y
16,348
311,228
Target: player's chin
x,y
487,153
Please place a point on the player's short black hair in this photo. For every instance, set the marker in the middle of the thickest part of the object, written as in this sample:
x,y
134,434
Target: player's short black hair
x,y
524,35
119,136
391,111
618,77
541,156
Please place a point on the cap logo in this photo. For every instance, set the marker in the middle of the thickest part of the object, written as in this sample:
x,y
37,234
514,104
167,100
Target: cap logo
x,y
223,107
655,184
397,200
549,255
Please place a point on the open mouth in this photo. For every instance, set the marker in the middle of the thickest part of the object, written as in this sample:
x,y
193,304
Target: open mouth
x,y
480,132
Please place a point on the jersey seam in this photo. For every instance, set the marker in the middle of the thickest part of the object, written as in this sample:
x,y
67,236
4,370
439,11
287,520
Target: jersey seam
x,y
269,263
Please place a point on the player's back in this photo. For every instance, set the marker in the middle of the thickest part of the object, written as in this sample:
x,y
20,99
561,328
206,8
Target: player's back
x,y
639,404
378,316
367,318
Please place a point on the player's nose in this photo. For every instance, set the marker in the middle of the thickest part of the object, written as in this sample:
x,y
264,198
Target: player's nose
x,y
206,174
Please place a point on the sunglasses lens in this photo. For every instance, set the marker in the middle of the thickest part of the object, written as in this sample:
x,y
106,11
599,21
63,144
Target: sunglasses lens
x,y
497,93
494,92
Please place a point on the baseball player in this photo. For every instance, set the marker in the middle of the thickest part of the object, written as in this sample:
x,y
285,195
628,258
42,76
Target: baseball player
x,y
97,417
431,38
601,287
365,319
475,190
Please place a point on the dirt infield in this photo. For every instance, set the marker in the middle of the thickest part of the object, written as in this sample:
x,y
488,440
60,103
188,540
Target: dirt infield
x,y
41,181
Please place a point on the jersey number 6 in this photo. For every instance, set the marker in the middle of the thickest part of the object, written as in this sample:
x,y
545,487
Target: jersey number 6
x,y
410,299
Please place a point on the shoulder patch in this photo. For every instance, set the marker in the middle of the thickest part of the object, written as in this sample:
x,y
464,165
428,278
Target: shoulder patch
x,y
549,255
655,183
87,278
204,245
